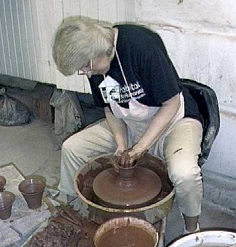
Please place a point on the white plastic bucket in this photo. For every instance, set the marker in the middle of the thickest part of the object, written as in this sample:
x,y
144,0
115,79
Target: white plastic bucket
x,y
207,239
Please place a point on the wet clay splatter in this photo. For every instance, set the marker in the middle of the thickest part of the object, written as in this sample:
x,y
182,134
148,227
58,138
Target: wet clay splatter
x,y
85,182
66,230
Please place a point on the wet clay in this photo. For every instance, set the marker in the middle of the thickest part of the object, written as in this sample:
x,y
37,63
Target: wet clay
x,y
129,188
85,182
126,236
66,230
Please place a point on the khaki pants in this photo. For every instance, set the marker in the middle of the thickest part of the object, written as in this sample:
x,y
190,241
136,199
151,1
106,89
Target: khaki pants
x,y
181,150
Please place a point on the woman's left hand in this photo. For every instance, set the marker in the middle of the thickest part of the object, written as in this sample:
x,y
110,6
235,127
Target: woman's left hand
x,y
130,156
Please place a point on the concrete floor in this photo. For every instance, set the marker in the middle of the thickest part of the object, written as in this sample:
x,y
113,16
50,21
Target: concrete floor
x,y
31,148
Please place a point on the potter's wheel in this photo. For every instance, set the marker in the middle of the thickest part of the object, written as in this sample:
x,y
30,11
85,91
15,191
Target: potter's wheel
x,y
128,188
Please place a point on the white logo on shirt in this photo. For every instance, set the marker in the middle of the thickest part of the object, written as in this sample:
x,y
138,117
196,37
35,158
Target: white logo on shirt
x,y
111,90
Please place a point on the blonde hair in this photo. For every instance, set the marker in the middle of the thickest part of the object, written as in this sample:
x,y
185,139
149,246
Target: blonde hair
x,y
77,41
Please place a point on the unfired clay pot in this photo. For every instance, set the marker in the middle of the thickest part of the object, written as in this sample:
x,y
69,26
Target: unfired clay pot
x,y
32,190
6,200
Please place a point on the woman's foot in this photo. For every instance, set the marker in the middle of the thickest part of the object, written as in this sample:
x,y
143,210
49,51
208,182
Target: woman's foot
x,y
191,224
186,232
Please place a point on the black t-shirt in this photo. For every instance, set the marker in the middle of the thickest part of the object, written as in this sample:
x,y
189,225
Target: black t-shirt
x,y
148,69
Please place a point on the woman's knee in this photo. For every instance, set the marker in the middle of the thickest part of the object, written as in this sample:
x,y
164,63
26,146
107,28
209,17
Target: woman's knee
x,y
73,144
186,176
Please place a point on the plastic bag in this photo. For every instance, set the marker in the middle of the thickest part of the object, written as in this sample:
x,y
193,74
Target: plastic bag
x,y
67,116
12,111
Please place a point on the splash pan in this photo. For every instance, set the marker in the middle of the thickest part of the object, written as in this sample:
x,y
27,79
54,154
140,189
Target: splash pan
x,y
90,207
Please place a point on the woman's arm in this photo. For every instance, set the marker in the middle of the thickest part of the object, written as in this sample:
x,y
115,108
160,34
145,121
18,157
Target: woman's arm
x,y
158,125
118,128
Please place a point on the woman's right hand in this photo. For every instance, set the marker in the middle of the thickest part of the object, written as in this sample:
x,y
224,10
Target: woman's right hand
x,y
115,160
127,158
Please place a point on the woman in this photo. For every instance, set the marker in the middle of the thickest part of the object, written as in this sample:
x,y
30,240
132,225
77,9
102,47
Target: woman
x,y
146,109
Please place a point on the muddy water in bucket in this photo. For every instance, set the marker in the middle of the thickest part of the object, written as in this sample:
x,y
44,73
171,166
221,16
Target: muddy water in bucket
x,y
32,190
6,200
126,232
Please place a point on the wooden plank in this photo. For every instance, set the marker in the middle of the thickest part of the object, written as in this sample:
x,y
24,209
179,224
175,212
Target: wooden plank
x,y
111,10
17,39
121,12
58,17
3,66
130,11
6,38
28,22
66,6
48,25
12,37
24,39
93,9
84,8
37,39
75,7
103,10
43,22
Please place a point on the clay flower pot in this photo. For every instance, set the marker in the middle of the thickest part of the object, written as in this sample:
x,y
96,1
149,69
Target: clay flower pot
x,y
6,200
32,190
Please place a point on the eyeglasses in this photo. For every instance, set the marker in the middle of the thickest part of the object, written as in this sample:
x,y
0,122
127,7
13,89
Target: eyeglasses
x,y
87,70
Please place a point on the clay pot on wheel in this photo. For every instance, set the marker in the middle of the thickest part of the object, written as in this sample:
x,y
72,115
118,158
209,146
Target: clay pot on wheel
x,y
127,187
92,209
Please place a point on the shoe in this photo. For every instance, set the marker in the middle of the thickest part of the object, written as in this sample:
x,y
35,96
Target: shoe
x,y
186,232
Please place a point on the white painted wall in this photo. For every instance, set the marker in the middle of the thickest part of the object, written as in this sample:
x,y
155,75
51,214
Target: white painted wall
x,y
222,159
26,32
200,37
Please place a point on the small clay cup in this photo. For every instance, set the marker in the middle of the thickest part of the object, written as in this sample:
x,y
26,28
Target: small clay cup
x,y
6,200
2,183
32,190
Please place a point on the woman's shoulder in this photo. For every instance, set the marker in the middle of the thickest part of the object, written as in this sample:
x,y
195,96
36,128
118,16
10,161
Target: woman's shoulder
x,y
135,28
139,36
